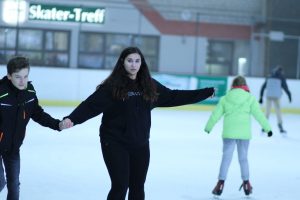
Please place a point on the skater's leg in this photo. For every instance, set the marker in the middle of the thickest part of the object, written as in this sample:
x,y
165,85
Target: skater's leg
x,y
268,107
139,163
116,158
278,110
2,175
242,148
278,115
228,149
12,169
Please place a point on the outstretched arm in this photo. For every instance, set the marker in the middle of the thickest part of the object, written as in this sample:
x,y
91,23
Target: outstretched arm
x,y
94,105
170,98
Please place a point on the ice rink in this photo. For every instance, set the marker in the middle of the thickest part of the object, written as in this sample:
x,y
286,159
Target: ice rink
x,y
184,160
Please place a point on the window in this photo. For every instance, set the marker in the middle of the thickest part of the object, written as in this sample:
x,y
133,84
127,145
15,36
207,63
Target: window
x,y
91,47
149,46
42,47
56,41
219,57
30,39
115,43
101,51
7,44
56,48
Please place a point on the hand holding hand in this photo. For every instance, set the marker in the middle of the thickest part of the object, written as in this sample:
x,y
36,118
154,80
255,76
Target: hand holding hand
x,y
66,123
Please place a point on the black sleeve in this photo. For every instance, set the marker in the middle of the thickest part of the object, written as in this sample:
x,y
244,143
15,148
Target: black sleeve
x,y
170,98
262,89
94,105
285,87
44,119
39,115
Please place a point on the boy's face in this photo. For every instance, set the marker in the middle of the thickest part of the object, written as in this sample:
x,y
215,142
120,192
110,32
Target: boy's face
x,y
19,79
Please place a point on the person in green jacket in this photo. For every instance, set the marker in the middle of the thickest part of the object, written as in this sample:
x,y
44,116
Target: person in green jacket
x,y
237,106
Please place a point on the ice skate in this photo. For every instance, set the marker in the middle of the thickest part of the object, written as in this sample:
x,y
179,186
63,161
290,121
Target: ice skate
x,y
247,187
218,188
282,131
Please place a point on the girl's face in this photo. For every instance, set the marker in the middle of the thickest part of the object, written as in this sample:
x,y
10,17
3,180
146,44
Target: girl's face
x,y
132,64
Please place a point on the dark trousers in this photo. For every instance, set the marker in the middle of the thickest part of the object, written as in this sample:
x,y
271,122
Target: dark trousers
x,y
11,162
127,167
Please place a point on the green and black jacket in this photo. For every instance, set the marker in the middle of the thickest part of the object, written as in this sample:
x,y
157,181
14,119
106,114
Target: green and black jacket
x,y
17,107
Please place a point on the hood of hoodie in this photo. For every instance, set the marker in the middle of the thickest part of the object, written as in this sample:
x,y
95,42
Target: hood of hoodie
x,y
236,99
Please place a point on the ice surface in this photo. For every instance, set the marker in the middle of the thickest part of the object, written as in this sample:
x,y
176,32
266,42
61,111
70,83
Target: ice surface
x,y
184,163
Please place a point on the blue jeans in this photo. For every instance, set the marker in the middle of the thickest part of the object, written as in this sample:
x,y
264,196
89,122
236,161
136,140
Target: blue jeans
x,y
11,163
228,149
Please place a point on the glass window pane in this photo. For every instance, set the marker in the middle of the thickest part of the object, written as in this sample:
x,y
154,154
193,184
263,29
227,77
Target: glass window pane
x,y
57,40
31,39
91,42
116,43
217,69
5,55
56,59
90,61
147,44
151,62
7,38
110,61
35,58
219,57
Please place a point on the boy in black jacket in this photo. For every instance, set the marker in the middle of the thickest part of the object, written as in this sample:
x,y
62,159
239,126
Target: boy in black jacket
x,y
18,103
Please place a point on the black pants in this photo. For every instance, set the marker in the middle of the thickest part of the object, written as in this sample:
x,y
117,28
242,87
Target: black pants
x,y
11,163
127,167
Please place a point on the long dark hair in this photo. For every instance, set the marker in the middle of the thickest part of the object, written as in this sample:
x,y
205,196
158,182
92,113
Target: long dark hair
x,y
118,79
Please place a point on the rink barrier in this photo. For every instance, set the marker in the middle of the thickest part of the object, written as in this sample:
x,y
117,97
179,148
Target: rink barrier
x,y
80,83
193,107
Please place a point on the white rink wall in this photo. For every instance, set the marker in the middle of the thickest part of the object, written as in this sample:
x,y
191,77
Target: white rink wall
x,y
59,84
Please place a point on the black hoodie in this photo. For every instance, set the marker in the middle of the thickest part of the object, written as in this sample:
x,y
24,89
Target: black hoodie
x,y
128,121
16,109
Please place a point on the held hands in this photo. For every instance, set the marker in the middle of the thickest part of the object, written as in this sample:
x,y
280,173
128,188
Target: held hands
x,y
66,123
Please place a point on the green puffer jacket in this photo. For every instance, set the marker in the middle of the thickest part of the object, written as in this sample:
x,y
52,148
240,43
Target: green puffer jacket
x,y
237,106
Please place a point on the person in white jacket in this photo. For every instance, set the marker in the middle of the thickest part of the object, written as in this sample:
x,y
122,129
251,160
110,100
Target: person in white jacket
x,y
274,85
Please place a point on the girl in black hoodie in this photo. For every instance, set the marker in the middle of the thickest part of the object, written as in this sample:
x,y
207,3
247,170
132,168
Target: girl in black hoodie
x,y
126,99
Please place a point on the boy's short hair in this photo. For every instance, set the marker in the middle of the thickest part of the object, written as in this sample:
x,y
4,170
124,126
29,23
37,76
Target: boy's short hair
x,y
239,81
16,64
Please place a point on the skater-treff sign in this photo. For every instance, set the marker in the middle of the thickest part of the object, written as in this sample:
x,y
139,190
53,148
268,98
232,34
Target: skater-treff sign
x,y
46,12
